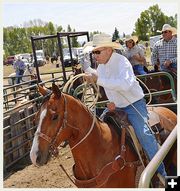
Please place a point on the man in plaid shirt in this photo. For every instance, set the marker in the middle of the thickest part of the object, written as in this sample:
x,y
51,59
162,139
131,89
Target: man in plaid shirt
x,y
164,52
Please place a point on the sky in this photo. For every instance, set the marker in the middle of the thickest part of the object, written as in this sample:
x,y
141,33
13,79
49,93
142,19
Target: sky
x,y
88,16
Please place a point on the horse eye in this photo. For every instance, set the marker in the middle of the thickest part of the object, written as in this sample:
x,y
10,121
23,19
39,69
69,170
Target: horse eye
x,y
54,117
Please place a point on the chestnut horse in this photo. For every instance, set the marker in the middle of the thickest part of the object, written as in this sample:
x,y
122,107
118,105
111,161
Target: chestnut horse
x,y
159,81
99,158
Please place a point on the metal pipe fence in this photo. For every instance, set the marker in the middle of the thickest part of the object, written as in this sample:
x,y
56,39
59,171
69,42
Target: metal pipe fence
x,y
151,168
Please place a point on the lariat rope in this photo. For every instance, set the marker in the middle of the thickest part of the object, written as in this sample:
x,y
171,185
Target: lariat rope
x,y
69,85
92,125
91,128
150,95
67,88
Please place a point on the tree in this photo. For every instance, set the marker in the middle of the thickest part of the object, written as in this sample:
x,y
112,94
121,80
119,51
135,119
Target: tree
x,y
59,28
92,34
35,22
52,44
18,39
74,41
173,21
69,28
115,35
151,21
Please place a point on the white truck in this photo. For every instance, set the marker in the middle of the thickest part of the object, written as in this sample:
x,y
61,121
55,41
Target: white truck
x,y
153,40
40,57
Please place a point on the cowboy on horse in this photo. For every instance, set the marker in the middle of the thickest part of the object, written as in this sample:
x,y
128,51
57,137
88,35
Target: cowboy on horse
x,y
116,75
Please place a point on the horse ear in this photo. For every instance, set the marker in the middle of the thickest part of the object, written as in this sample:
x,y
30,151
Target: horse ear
x,y
56,90
42,90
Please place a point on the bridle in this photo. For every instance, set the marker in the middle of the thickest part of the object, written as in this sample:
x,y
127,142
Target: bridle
x,y
52,141
53,149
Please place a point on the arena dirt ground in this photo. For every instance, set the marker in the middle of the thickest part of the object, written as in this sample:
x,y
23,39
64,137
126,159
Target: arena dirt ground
x,y
50,175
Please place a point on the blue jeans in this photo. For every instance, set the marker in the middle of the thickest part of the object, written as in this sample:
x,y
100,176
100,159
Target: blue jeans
x,y
143,133
19,75
138,69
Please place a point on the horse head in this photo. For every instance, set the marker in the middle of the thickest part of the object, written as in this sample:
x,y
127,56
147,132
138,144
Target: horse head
x,y
51,126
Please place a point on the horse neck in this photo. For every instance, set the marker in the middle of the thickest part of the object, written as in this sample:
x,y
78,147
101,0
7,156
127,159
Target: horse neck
x,y
79,117
96,149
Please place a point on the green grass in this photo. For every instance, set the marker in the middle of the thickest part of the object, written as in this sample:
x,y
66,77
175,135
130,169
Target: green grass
x,y
48,68
7,70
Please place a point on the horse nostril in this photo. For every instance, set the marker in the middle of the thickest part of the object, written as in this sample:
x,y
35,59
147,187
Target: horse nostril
x,y
42,158
38,160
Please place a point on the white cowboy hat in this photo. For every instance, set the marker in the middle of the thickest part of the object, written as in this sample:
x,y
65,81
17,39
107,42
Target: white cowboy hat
x,y
88,47
101,40
129,37
167,27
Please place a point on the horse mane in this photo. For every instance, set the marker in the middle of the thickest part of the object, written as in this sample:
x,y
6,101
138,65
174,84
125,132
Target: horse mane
x,y
83,105
86,108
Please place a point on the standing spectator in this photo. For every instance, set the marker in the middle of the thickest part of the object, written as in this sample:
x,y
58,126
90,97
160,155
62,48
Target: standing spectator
x,y
164,52
135,55
87,60
120,49
19,67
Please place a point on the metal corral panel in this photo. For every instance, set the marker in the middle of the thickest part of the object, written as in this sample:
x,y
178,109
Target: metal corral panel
x,y
18,134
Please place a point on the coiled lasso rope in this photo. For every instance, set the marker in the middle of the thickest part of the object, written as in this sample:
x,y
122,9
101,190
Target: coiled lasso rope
x,y
69,84
67,88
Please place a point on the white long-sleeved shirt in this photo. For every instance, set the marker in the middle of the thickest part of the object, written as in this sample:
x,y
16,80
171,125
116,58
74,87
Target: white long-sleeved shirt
x,y
119,82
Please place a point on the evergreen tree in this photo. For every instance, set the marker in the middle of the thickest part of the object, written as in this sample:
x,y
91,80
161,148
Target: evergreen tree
x,y
115,35
74,41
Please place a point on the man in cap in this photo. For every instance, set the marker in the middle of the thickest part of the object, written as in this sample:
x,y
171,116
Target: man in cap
x,y
19,67
164,52
115,74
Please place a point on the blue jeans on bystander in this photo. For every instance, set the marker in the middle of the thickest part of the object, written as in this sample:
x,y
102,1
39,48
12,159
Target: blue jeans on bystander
x,y
138,69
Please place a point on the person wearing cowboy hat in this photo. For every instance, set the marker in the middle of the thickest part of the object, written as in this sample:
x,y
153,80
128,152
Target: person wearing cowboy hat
x,y
164,52
115,74
135,54
85,60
